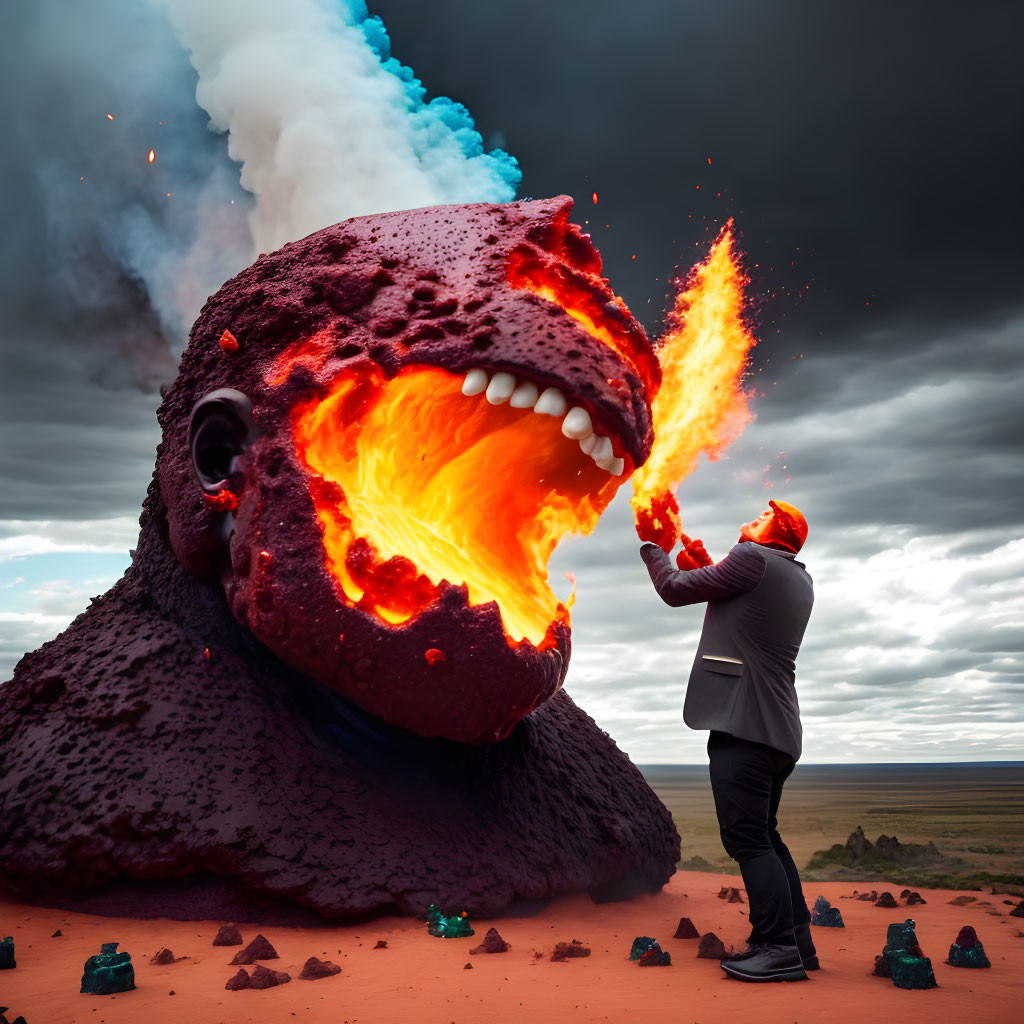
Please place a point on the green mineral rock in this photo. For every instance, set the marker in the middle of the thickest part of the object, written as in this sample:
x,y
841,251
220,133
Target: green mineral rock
x,y
7,962
108,972
455,927
908,966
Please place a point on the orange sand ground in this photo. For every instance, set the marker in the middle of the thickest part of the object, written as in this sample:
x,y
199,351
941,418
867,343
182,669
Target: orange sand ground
x,y
420,979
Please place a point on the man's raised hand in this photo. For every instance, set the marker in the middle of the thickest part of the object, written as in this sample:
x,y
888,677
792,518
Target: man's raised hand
x,y
693,554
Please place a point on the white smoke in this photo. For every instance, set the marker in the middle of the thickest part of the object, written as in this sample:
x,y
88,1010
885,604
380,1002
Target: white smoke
x,y
325,124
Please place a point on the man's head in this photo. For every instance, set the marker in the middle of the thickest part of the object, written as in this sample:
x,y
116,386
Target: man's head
x,y
781,525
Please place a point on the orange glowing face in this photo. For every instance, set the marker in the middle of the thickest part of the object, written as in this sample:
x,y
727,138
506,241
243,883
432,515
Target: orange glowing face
x,y
758,529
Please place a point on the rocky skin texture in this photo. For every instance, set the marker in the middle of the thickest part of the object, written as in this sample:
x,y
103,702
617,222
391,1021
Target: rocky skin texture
x,y
196,748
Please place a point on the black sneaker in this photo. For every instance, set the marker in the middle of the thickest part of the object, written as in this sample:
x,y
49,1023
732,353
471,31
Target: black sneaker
x,y
805,944
767,963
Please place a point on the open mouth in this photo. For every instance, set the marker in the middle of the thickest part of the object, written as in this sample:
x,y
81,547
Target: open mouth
x,y
431,478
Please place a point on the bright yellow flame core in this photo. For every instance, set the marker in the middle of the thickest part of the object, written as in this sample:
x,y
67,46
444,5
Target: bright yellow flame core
x,y
471,493
700,406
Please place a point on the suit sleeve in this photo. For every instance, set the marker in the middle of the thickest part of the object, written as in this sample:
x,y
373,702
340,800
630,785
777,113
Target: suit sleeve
x,y
741,570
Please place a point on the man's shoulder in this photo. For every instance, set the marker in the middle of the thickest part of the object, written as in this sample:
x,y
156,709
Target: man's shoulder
x,y
747,550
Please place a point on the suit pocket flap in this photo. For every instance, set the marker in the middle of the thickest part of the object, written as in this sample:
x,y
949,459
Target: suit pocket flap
x,y
722,664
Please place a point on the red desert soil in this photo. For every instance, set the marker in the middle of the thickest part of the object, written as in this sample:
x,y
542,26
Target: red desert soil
x,y
421,978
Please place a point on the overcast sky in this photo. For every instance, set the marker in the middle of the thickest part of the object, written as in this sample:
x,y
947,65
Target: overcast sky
x,y
873,159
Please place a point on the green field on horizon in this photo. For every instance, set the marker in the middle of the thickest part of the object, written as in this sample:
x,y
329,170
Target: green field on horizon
x,y
973,813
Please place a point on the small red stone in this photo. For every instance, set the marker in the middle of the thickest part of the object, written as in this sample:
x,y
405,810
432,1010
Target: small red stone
x,y
433,656
223,501
206,654
264,558
228,342
341,638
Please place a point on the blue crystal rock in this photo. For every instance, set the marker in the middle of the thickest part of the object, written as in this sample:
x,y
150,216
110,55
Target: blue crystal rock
x,y
825,915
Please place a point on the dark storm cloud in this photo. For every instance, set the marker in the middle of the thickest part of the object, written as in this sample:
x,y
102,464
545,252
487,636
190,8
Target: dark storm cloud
x,y
879,150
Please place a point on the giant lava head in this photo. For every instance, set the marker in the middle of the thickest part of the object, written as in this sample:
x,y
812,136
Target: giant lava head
x,y
391,534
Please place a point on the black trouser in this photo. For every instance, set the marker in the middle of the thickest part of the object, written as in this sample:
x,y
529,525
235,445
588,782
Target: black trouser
x,y
747,779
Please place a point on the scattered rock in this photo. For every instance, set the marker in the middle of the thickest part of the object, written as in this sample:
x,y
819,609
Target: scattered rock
x,y
686,930
961,901
906,964
315,968
258,949
711,947
493,943
914,899
567,950
4,1020
108,972
825,915
730,894
228,935
264,977
1018,911
468,966
886,899
165,956
655,957
641,944
967,950
239,980
381,944
456,926
57,934
7,961
868,897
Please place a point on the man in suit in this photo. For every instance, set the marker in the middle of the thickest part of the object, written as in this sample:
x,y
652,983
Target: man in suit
x,y
742,688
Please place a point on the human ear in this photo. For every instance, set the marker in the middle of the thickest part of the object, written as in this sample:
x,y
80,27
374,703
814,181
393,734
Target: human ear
x,y
220,429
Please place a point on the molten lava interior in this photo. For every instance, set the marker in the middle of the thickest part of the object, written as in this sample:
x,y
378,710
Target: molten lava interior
x,y
414,483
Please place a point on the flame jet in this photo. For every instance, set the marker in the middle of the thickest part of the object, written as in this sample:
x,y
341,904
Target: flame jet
x,y
701,406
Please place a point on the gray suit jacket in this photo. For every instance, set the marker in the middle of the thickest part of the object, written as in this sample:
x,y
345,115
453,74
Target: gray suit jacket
x,y
743,679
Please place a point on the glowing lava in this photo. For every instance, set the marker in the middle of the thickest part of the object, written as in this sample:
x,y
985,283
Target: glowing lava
x,y
700,406
415,484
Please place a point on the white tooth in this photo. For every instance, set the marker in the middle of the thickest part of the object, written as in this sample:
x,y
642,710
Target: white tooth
x,y
602,450
475,382
577,423
613,465
500,389
524,396
588,444
551,403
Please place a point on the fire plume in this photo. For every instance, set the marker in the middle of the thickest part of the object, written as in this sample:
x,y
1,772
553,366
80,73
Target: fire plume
x,y
485,493
700,406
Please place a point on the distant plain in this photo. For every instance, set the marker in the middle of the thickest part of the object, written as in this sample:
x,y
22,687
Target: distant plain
x,y
973,813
